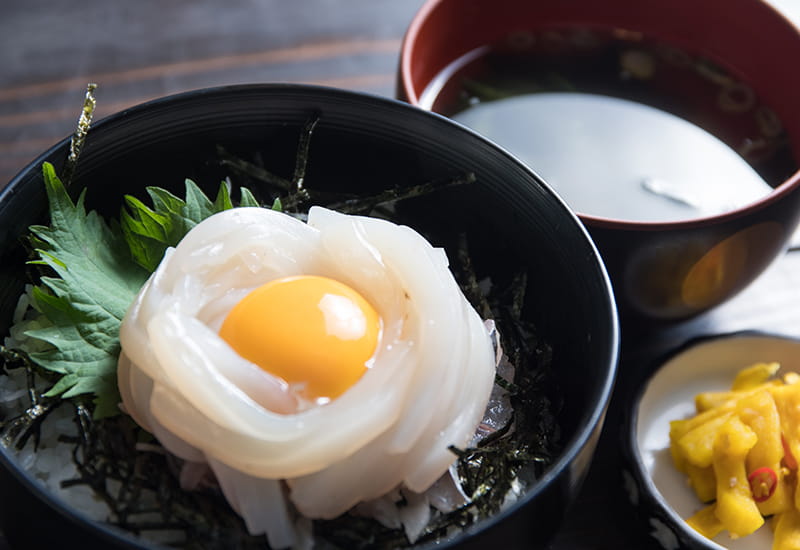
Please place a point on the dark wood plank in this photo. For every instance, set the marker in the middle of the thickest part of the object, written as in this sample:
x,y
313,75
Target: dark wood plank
x,y
142,50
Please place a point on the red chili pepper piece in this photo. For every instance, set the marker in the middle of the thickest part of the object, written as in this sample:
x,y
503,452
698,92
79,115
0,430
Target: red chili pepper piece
x,y
762,483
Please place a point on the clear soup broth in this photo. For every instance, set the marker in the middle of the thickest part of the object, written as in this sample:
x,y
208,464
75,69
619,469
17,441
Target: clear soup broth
x,y
622,125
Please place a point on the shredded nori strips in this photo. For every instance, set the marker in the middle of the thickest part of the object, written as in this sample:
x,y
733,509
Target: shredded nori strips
x,y
16,431
81,131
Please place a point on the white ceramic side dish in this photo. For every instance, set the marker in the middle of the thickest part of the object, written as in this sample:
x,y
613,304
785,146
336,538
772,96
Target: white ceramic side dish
x,y
656,488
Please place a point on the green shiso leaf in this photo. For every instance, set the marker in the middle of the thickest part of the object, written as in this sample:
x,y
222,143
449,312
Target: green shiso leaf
x,y
247,198
99,269
149,231
84,305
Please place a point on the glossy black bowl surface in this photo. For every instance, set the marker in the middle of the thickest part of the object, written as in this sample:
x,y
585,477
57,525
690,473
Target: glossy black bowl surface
x,y
363,144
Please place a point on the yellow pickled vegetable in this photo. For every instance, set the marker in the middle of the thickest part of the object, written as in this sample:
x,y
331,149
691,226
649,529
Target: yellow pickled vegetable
x,y
678,429
697,445
703,481
706,522
709,400
787,531
753,376
791,378
739,454
760,413
787,401
736,509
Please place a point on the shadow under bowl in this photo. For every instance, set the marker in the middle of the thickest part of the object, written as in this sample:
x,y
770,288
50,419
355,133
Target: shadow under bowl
x,y
657,489
662,272
362,144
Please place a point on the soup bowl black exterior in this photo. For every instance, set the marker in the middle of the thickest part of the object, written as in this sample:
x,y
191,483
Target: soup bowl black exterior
x,y
364,144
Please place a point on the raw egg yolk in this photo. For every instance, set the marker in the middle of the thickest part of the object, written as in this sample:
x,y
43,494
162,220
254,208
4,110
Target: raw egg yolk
x,y
314,332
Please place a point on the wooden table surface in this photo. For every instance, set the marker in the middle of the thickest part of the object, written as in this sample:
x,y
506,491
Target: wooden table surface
x,y
141,50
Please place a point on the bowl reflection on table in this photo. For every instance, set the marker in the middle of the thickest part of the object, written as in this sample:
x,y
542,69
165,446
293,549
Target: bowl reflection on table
x,y
363,144
718,69
659,490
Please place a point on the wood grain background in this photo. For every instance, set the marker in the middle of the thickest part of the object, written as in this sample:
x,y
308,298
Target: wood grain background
x,y
136,51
